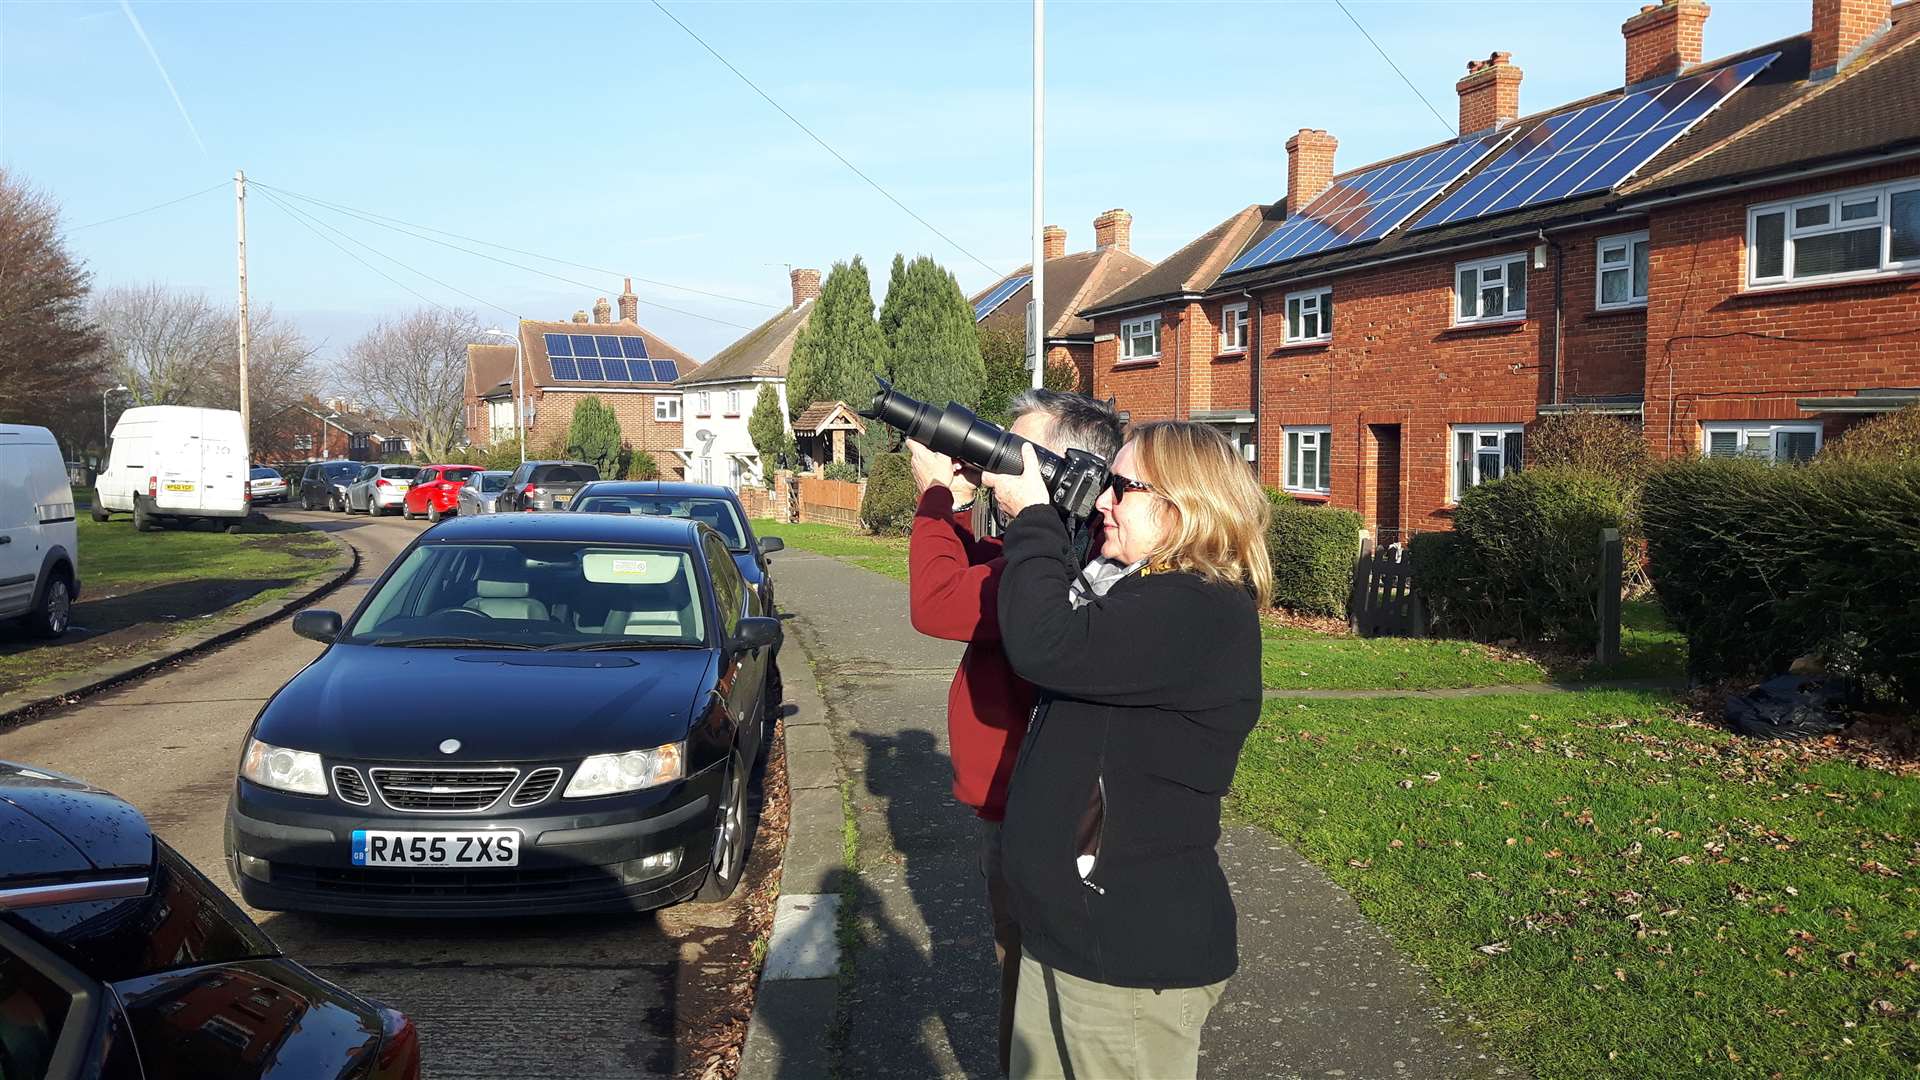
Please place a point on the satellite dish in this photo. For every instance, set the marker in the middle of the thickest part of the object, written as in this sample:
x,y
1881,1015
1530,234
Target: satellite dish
x,y
705,435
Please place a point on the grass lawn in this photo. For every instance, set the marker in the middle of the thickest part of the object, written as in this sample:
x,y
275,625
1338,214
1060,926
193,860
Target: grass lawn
x,y
114,558
885,555
1612,892
1295,659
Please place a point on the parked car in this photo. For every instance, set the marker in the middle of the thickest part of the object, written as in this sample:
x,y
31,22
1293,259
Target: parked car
x,y
324,485
380,489
436,491
481,493
599,702
119,959
172,463
266,485
39,545
712,504
544,485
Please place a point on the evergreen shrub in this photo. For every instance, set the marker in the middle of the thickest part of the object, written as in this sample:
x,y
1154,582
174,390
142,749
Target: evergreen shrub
x,y
1313,550
887,507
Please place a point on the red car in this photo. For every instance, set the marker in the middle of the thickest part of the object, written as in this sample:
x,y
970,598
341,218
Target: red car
x,y
436,491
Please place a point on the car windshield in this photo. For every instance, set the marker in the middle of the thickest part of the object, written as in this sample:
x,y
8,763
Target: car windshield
x,y
264,474
564,474
718,513
535,595
494,481
399,472
343,472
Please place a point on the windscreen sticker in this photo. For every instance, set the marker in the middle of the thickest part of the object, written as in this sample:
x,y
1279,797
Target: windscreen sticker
x,y
609,568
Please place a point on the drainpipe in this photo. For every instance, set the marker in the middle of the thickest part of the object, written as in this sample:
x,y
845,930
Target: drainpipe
x,y
1254,355
1559,307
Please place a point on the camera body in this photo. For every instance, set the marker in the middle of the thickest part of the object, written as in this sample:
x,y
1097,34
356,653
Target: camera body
x,y
1074,481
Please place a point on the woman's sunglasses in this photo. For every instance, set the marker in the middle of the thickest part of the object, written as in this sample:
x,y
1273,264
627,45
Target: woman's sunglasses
x,y
1120,485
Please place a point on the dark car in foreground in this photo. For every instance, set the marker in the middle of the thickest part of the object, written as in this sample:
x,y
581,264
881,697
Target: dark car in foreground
x,y
591,700
544,485
119,959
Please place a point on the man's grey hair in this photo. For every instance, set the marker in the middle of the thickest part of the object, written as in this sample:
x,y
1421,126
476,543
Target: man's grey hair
x,y
1079,422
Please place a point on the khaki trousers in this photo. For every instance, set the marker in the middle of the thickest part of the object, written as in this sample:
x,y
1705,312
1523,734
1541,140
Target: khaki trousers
x,y
1068,1028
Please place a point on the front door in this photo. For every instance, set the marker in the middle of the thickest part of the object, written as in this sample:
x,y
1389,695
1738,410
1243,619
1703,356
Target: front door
x,y
1382,490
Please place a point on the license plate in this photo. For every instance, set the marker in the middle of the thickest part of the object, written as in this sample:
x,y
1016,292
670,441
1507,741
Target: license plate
x,y
385,847
561,500
179,487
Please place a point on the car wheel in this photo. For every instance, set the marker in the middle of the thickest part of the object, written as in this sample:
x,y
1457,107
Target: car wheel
x,y
774,696
336,504
433,513
54,613
729,861
374,509
142,517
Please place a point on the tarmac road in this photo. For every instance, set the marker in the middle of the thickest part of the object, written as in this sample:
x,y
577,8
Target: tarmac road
x,y
575,996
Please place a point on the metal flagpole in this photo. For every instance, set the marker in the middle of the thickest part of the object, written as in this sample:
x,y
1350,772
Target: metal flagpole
x,y
1036,321
240,221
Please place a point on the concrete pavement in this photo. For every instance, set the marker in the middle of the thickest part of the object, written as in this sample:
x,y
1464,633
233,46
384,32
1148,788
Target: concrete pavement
x,y
1320,992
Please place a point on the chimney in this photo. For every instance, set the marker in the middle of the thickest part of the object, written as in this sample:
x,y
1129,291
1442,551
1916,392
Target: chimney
x,y
1309,167
1053,241
602,311
1490,94
806,285
1665,38
579,316
629,304
1113,229
1842,27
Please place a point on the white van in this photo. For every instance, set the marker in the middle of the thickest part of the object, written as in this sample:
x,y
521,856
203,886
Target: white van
x,y
39,551
175,463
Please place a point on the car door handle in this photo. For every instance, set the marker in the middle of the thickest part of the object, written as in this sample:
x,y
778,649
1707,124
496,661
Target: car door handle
x,y
6,539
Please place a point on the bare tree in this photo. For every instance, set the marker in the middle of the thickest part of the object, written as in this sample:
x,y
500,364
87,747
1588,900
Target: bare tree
x,y
49,373
413,370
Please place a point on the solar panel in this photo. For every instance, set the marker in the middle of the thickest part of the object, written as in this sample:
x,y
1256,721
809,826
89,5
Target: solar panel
x,y
999,295
665,371
557,345
609,345
1594,148
589,367
563,367
616,370
583,345
635,348
1370,205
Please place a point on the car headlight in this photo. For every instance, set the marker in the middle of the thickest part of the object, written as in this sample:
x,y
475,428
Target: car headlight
x,y
298,771
611,774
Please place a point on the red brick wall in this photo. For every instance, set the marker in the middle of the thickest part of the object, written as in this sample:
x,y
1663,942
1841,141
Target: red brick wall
x,y
553,413
1715,352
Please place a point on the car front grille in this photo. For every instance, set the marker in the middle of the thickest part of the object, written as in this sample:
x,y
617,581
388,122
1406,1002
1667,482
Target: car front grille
x,y
536,787
348,785
502,883
442,791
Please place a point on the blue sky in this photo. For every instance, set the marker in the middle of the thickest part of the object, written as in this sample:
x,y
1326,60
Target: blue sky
x,y
603,135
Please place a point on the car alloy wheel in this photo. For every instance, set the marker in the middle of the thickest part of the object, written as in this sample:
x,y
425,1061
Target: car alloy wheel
x,y
729,836
56,609
433,513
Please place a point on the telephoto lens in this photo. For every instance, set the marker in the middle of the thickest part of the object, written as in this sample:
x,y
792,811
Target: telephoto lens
x,y
956,432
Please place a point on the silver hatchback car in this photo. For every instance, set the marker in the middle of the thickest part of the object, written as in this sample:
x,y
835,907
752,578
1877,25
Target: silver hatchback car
x,y
381,489
477,496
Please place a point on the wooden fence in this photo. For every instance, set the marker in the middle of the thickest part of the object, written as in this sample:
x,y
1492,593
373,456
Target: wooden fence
x,y
1384,602
830,502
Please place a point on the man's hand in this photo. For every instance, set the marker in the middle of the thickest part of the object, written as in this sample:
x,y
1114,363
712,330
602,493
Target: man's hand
x,y
1016,493
931,469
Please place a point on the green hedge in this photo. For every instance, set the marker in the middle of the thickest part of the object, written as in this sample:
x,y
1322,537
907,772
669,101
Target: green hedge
x,y
887,507
1525,560
1760,564
1313,550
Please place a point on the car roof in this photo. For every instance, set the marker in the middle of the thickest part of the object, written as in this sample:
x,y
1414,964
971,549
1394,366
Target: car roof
x,y
663,487
576,528
52,824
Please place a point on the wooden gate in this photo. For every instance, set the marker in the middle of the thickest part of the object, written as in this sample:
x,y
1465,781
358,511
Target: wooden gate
x,y
1384,603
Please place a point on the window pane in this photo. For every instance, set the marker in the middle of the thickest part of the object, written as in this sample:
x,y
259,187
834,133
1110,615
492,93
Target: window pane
x,y
1613,286
1613,255
1155,328
1311,324
1293,459
1516,287
1793,446
1493,301
1463,461
1905,215
1769,245
1808,217
1326,466
1836,253
1489,465
1641,253
1723,443
1309,465
1293,319
1760,444
1326,298
1516,450
1863,209
1468,293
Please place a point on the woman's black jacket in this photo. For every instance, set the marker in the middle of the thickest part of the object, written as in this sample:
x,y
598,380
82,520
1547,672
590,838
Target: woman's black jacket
x,y
1147,696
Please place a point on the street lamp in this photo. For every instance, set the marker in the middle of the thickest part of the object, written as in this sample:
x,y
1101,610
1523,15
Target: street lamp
x,y
519,394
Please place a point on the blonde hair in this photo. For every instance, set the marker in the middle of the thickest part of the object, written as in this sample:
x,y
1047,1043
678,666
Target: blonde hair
x,y
1220,513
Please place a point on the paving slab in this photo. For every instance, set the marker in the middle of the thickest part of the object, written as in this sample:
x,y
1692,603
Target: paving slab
x,y
786,1039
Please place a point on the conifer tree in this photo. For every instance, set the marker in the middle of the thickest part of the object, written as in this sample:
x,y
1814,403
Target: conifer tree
x,y
841,348
932,348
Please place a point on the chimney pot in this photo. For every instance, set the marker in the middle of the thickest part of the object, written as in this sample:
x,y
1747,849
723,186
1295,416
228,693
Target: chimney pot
x,y
806,285
580,316
1113,229
1309,167
629,304
1842,27
602,311
1053,241
1490,93
1664,39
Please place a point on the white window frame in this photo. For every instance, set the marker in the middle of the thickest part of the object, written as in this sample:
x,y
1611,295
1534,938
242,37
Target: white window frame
x,y
1294,440
1479,267
706,470
1832,201
733,403
1133,329
1746,429
1624,244
702,404
1321,300
666,408
1233,328
1478,431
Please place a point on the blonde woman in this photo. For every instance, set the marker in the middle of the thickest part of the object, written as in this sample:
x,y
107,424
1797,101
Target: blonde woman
x,y
1148,668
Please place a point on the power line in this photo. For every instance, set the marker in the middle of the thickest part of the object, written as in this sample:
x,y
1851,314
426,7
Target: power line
x,y
1396,67
366,214
151,209
823,143
493,258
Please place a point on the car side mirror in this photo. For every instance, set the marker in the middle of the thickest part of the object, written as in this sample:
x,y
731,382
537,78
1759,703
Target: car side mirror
x,y
318,624
771,544
755,632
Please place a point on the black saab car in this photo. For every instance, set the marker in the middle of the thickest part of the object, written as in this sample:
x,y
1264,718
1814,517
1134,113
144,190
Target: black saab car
x,y
119,959
528,712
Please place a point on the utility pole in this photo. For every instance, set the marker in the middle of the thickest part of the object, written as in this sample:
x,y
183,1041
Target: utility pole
x,y
1037,322
240,221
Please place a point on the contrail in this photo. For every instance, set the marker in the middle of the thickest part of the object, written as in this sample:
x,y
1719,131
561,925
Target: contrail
x,y
164,77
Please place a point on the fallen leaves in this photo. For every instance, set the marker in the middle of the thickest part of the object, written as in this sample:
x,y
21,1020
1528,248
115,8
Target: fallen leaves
x,y
1869,866
1494,948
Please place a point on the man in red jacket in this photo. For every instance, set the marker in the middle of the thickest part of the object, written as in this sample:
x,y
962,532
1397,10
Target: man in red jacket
x,y
954,581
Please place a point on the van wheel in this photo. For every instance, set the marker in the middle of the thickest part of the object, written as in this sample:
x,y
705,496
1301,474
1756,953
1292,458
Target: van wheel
x,y
98,514
235,529
729,859
142,517
54,612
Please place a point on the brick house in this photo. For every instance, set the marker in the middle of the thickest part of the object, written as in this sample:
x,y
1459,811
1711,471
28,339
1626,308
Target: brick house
x,y
1626,253
719,395
623,364
1072,282
324,431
